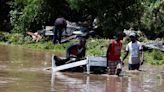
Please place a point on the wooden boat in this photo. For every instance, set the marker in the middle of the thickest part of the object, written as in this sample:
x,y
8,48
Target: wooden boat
x,y
89,61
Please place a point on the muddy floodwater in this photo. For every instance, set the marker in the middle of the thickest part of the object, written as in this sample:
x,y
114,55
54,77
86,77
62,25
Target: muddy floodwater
x,y
24,70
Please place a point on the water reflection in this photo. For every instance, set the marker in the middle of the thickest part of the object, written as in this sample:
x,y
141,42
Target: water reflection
x,y
139,82
68,83
22,70
17,56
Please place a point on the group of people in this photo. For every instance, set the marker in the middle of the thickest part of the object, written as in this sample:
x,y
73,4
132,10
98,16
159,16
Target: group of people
x,y
113,54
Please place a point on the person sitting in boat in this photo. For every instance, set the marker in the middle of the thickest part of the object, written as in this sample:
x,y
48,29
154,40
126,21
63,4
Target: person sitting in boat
x,y
113,54
75,51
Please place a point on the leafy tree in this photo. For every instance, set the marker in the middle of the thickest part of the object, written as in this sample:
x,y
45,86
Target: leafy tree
x,y
4,15
153,18
24,13
114,14
29,15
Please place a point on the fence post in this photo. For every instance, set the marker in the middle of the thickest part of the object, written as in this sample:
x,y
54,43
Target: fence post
x,y
88,65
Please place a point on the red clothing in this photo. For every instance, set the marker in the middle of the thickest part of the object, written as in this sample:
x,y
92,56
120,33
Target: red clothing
x,y
114,51
76,50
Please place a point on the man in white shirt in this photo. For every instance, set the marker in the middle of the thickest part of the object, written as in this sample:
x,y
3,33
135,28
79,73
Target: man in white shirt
x,y
135,49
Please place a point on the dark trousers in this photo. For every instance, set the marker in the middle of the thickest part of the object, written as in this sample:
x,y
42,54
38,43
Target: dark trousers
x,y
133,66
59,61
57,34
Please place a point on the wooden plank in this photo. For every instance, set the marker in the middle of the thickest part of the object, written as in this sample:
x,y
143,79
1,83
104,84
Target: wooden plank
x,y
49,33
155,45
68,38
70,65
90,61
48,28
97,61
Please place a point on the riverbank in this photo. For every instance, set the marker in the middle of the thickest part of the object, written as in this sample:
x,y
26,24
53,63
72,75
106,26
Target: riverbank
x,y
95,47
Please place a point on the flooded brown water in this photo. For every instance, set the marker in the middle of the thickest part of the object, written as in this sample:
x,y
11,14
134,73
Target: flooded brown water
x,y
23,70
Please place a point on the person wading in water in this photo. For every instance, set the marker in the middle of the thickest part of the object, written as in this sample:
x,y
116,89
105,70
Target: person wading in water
x,y
135,49
113,54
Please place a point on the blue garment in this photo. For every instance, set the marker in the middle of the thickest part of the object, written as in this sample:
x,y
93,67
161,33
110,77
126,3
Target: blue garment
x,y
57,34
133,66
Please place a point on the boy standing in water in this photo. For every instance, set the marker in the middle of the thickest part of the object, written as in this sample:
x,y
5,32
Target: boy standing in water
x,y
113,54
134,48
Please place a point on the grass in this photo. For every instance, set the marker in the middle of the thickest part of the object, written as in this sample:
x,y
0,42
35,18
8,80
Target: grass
x,y
95,47
154,58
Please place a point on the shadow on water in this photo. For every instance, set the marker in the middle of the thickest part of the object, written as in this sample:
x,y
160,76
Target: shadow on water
x,y
22,70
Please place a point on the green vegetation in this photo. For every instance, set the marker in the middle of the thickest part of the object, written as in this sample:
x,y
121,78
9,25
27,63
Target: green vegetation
x,y
96,47
152,19
20,16
155,57
30,15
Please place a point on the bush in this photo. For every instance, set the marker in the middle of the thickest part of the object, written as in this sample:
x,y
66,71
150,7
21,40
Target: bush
x,y
97,47
27,39
2,36
157,55
154,58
